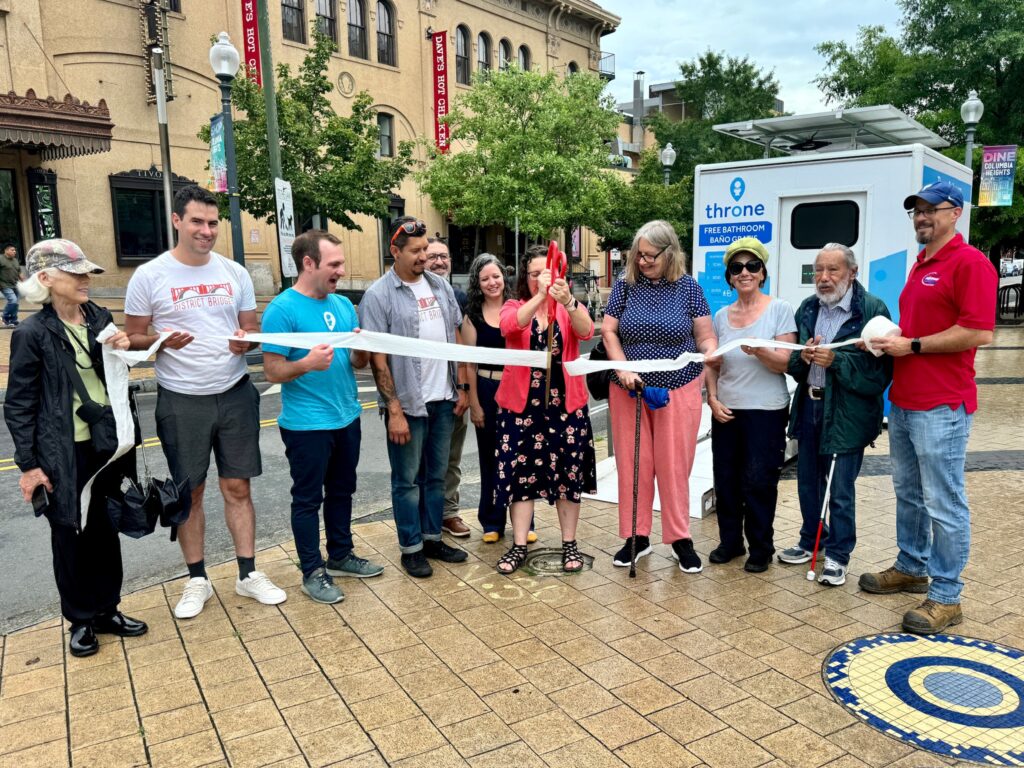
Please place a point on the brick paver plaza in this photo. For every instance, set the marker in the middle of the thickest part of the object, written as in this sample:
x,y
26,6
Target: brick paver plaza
x,y
472,668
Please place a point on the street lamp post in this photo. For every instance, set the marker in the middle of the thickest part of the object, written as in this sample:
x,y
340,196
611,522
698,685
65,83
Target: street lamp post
x,y
971,112
668,159
224,59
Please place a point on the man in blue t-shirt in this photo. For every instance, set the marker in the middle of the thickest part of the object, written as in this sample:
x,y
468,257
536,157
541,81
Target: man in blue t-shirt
x,y
320,412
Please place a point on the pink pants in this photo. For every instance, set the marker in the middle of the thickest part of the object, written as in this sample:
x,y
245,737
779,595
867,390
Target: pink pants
x,y
668,442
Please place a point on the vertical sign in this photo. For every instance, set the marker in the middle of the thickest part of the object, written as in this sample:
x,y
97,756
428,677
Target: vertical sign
x,y
439,54
251,42
998,169
218,155
285,213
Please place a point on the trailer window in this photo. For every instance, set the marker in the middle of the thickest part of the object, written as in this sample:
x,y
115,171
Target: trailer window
x,y
812,225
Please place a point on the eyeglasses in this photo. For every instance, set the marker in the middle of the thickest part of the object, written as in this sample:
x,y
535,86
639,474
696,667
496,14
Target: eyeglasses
x,y
754,266
928,212
412,228
647,258
438,257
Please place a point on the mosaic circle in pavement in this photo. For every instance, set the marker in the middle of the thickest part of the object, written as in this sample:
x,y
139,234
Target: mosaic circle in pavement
x,y
955,696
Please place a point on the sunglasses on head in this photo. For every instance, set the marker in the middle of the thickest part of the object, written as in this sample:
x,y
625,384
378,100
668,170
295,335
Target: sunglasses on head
x,y
753,266
412,228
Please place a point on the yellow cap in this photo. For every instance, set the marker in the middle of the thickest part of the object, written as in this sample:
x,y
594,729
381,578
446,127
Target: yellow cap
x,y
749,245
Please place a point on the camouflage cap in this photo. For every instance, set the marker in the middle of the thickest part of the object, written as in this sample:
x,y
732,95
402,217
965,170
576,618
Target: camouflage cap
x,y
59,254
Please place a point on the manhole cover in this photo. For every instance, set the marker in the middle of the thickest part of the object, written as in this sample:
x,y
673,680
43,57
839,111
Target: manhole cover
x,y
548,562
957,696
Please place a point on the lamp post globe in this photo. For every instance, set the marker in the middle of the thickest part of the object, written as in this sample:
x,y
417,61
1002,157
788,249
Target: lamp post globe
x,y
971,112
224,60
668,159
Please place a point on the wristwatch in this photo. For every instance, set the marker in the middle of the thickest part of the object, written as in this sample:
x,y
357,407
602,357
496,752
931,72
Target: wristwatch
x,y
462,387
915,346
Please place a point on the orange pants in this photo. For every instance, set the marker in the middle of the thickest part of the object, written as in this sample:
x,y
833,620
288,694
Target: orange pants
x,y
668,442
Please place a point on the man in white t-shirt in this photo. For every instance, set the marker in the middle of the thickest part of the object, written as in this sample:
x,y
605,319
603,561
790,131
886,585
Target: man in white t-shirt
x,y
419,397
205,401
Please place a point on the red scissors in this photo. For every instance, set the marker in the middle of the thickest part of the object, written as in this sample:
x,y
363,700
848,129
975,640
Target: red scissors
x,y
558,265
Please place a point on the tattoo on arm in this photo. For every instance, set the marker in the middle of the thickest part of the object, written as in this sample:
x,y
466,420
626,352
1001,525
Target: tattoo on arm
x,y
382,377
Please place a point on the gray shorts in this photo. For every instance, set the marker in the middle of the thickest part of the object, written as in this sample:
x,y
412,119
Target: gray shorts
x,y
190,426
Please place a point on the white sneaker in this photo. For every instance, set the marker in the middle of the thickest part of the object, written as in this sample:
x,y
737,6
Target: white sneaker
x,y
257,586
833,574
197,592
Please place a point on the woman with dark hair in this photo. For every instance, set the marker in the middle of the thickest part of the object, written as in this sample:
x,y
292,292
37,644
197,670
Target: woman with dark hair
x,y
545,451
53,446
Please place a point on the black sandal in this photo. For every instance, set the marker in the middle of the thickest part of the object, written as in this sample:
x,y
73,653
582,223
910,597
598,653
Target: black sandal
x,y
515,557
570,554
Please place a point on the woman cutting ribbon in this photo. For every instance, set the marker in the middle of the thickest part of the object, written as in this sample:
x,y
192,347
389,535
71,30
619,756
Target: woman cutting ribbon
x,y
544,451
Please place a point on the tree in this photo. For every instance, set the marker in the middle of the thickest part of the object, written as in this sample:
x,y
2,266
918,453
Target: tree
x,y
715,89
945,48
331,161
526,145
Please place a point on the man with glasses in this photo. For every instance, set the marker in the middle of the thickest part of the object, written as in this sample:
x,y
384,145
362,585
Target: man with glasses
x,y
837,410
418,397
947,310
439,261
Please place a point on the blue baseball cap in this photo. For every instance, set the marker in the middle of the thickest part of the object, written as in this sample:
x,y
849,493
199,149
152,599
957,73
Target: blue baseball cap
x,y
937,192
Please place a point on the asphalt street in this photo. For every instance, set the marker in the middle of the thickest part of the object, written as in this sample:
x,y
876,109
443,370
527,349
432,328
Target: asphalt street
x,y
27,591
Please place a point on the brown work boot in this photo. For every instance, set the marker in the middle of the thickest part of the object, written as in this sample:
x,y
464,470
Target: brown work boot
x,y
930,618
454,526
891,580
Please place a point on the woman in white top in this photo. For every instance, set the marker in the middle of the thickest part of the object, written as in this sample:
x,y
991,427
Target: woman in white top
x,y
749,400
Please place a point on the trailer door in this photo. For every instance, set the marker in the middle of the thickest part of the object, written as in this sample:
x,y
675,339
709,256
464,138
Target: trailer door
x,y
806,224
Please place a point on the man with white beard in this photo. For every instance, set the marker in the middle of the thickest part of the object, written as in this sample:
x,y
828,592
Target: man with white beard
x,y
837,410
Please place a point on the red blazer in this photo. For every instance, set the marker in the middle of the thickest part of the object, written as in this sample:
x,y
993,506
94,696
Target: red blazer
x,y
515,383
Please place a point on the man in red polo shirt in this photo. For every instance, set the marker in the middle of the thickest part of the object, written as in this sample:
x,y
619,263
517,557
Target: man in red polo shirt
x,y
947,310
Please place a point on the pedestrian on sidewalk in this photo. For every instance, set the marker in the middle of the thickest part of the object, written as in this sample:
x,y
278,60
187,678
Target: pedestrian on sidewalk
x,y
439,261
657,311
418,397
947,311
749,404
545,450
205,400
10,274
53,447
320,414
837,409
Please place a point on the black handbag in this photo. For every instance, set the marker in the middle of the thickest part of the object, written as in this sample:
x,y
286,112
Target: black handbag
x,y
599,382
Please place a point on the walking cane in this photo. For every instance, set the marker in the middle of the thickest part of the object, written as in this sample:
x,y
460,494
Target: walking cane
x,y
558,265
821,520
636,477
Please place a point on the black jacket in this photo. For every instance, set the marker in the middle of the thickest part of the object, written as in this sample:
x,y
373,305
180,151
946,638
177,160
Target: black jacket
x,y
38,407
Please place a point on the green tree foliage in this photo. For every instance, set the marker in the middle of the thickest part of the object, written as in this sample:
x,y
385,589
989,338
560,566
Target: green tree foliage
x,y
525,144
331,160
944,49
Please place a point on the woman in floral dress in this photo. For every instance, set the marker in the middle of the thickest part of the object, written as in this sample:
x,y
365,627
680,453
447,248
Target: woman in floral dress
x,y
544,451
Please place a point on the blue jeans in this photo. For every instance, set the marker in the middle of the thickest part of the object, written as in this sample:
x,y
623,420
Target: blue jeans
x,y
839,536
928,450
11,308
323,468
417,499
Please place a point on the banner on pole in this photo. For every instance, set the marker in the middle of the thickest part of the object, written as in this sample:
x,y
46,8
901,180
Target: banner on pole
x,y
251,42
285,225
218,155
439,52
998,170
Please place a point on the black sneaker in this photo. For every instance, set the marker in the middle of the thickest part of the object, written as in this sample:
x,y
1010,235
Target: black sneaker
x,y
756,564
722,554
438,550
689,561
643,549
415,564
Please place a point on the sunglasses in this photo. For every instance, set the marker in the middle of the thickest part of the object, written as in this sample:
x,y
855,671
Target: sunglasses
x,y
412,228
754,266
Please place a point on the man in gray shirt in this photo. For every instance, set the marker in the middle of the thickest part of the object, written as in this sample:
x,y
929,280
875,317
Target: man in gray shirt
x,y
837,409
419,397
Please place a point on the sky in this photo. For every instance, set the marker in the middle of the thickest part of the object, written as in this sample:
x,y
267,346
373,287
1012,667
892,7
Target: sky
x,y
655,35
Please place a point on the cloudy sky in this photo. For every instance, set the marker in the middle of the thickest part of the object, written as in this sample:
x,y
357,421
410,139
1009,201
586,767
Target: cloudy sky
x,y
655,35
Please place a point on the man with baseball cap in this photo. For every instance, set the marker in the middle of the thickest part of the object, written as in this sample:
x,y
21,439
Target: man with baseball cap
x,y
947,310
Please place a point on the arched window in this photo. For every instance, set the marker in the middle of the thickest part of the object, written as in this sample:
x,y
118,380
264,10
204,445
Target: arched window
x,y
483,51
504,55
524,58
385,34
573,67
357,30
327,19
462,55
